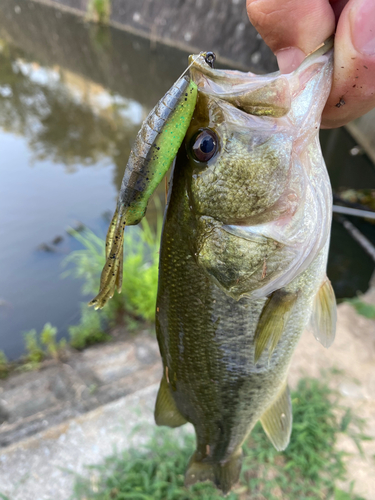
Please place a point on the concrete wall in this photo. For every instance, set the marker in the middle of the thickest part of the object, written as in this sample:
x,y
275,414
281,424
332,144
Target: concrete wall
x,y
221,26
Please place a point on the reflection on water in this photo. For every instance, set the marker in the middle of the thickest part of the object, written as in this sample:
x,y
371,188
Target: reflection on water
x,y
64,117
53,122
72,97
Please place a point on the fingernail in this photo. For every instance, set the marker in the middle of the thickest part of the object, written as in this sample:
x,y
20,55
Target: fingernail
x,y
363,27
289,59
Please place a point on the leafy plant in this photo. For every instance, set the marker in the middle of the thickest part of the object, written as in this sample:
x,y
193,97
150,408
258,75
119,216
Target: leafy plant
x,y
362,308
99,11
35,353
140,270
38,348
4,369
48,340
307,469
89,331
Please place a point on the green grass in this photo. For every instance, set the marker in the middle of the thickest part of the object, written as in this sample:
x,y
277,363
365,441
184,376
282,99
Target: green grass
x,y
308,469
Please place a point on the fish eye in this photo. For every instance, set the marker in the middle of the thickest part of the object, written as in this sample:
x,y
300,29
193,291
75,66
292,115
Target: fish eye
x,y
204,145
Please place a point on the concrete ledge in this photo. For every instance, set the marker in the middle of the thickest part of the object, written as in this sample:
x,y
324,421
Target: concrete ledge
x,y
44,466
34,401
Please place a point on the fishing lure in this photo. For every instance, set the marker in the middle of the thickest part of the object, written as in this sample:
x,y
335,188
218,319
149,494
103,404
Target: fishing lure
x,y
153,152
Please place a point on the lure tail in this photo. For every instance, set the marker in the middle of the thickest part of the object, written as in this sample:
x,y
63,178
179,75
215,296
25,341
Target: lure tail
x,y
154,150
111,277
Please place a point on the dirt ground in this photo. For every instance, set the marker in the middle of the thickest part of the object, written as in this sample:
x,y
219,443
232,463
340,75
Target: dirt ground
x,y
353,354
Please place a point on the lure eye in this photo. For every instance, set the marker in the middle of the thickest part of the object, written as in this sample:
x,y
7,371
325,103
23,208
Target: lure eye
x,y
204,145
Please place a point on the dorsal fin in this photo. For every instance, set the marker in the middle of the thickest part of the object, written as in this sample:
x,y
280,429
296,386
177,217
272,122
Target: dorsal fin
x,y
324,314
277,420
273,320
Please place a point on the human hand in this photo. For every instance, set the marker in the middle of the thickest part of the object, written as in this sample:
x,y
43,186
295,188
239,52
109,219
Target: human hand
x,y
294,28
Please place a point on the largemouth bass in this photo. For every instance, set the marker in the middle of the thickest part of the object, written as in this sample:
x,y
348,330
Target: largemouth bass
x,y
243,259
243,253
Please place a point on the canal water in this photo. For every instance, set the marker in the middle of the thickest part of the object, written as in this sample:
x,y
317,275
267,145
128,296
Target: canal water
x,y
72,98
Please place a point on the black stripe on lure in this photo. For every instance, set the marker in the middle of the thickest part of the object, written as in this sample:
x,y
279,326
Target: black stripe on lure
x,y
153,152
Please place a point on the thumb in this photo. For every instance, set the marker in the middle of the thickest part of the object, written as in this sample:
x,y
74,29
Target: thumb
x,y
292,28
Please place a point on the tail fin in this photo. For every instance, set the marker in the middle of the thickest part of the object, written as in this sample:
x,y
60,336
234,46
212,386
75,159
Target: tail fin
x,y
224,476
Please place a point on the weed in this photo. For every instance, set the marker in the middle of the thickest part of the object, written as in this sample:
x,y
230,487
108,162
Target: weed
x,y
89,331
308,468
38,348
4,368
140,270
99,11
48,340
35,353
362,308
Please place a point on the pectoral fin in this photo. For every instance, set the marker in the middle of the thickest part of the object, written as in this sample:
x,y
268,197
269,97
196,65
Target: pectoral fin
x,y
166,412
272,321
277,420
324,314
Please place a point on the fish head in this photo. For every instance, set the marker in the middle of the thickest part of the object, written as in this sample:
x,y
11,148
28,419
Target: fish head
x,y
239,162
244,133
254,164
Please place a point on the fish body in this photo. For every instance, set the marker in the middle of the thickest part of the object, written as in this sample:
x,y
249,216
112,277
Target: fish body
x,y
243,259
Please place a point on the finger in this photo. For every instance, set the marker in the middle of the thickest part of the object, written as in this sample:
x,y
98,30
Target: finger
x,y
292,28
354,65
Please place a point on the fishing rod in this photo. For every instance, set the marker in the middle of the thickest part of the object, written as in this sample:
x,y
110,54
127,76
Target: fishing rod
x,y
356,234
356,212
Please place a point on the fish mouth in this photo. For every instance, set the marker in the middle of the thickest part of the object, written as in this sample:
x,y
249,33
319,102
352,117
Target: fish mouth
x,y
262,95
199,61
200,69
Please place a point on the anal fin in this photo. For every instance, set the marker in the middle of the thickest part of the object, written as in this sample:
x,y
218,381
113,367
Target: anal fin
x,y
273,320
222,475
324,314
166,411
277,420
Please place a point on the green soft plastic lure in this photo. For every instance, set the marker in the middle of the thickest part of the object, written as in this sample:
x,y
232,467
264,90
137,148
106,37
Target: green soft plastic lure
x,y
153,152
